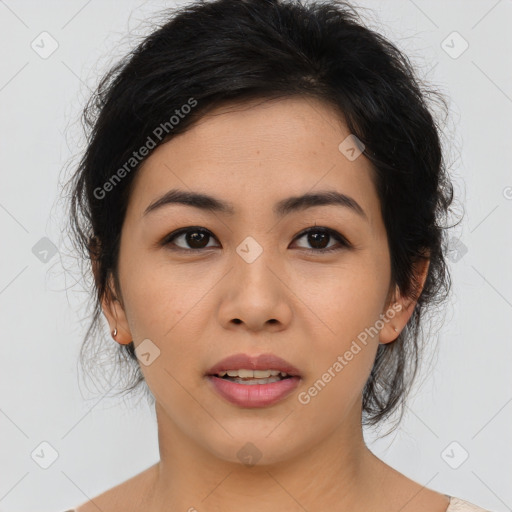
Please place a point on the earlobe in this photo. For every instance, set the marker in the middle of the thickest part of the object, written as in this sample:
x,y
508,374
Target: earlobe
x,y
392,325
124,340
110,305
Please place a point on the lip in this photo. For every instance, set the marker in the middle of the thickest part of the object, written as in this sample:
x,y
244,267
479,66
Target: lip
x,y
247,362
256,395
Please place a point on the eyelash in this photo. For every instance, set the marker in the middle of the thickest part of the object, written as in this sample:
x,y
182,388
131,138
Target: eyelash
x,y
327,231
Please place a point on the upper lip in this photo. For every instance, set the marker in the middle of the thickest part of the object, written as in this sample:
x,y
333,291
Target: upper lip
x,y
247,362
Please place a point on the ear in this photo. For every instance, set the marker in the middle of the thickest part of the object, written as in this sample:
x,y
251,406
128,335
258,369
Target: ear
x,y
403,307
114,312
111,302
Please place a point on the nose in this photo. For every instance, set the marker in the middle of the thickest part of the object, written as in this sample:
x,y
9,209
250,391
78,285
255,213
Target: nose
x,y
256,296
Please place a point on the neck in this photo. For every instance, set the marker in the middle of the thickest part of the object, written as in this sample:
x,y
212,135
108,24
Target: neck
x,y
336,473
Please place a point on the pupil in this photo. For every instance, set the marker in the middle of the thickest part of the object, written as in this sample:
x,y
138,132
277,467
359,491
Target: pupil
x,y
195,238
314,239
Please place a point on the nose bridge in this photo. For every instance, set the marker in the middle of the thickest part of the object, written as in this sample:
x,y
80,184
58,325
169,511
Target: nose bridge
x,y
254,264
254,293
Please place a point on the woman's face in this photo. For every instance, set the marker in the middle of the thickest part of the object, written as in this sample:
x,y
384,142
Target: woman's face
x,y
251,281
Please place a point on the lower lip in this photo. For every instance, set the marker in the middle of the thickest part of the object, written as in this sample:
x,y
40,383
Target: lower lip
x,y
256,395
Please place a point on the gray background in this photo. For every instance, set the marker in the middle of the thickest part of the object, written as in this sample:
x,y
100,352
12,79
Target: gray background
x,y
464,402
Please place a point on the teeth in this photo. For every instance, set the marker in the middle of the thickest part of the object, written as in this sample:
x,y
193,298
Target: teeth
x,y
249,374
257,381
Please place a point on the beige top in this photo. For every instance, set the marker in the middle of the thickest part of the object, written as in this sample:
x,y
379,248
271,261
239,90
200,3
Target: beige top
x,y
460,505
455,505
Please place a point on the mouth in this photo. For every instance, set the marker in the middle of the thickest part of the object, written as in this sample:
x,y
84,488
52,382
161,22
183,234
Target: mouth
x,y
249,381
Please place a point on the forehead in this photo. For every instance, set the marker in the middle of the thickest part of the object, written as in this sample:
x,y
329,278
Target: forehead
x,y
258,151
283,129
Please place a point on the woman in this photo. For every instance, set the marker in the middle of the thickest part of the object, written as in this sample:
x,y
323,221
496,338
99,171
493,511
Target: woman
x,y
261,201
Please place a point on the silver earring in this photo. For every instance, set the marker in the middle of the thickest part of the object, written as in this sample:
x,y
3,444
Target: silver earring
x,y
396,329
114,332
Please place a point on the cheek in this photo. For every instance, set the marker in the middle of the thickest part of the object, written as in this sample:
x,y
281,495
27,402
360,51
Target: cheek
x,y
342,360
342,302
167,309
158,300
337,390
344,331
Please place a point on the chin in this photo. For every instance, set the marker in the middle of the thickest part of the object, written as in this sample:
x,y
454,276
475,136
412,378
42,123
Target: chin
x,y
255,447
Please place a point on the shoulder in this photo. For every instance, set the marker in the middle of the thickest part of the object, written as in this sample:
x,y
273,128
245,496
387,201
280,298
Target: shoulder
x,y
460,505
131,494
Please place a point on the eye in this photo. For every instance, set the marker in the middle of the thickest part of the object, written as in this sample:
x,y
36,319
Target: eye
x,y
197,239
318,236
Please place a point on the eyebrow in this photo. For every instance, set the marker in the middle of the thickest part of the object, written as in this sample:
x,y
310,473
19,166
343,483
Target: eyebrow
x,y
281,208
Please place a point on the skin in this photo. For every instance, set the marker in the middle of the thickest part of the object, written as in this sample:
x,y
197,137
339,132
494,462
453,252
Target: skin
x,y
313,456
